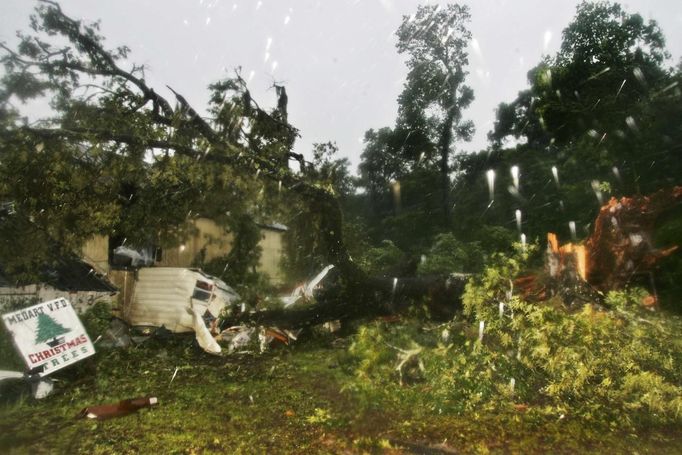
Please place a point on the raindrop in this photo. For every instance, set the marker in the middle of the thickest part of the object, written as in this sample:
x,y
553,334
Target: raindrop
x,y
397,199
620,88
597,191
267,57
639,75
287,19
555,174
422,259
571,227
257,172
182,248
274,65
268,43
523,241
208,20
481,327
667,87
593,134
395,286
234,7
594,76
258,5
490,175
616,172
515,176
518,219
514,192
279,187
501,309
547,38
630,122
251,75
602,139
512,384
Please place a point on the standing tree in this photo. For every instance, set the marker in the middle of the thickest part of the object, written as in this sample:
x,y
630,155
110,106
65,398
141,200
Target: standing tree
x,y
431,104
596,101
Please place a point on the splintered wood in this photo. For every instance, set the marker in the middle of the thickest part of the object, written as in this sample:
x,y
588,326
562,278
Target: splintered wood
x,y
619,249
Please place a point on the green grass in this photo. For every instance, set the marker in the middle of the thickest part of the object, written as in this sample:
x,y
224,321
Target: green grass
x,y
290,400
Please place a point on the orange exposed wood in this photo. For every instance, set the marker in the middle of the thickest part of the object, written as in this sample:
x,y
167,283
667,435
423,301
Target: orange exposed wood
x,y
620,246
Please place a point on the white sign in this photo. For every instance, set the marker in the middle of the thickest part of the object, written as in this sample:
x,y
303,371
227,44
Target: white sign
x,y
49,335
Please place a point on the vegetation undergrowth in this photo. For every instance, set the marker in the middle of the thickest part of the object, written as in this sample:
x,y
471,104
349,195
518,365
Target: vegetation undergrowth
x,y
315,396
614,365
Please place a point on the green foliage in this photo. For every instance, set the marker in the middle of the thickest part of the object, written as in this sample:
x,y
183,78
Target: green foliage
x,y
117,159
238,268
96,319
383,259
448,255
613,368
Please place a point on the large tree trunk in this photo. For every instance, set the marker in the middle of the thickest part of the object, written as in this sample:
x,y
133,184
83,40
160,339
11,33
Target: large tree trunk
x,y
376,296
444,143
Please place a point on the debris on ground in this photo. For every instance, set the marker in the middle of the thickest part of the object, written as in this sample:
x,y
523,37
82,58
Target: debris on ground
x,y
117,335
120,409
237,337
305,292
162,296
203,336
181,300
40,387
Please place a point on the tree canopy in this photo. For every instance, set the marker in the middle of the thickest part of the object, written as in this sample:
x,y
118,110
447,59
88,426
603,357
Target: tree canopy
x,y
119,158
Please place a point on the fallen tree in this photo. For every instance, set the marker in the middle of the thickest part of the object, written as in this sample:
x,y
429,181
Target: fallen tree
x,y
108,117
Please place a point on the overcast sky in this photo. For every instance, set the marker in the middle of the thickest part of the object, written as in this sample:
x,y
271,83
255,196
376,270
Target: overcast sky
x,y
337,58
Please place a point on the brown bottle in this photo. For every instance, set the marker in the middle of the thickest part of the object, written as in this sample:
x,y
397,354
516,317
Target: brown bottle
x,y
120,409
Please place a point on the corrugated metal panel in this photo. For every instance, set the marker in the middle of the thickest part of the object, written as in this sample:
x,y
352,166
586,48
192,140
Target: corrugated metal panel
x,y
162,296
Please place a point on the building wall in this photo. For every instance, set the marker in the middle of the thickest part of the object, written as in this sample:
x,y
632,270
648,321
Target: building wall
x,y
271,255
209,236
124,280
81,300
96,252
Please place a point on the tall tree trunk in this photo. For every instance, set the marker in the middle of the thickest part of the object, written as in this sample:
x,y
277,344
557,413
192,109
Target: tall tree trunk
x,y
444,143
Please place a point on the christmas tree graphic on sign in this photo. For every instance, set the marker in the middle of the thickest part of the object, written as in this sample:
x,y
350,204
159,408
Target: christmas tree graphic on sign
x,y
49,331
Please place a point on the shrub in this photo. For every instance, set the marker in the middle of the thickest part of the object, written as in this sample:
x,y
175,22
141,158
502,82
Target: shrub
x,y
617,366
448,255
